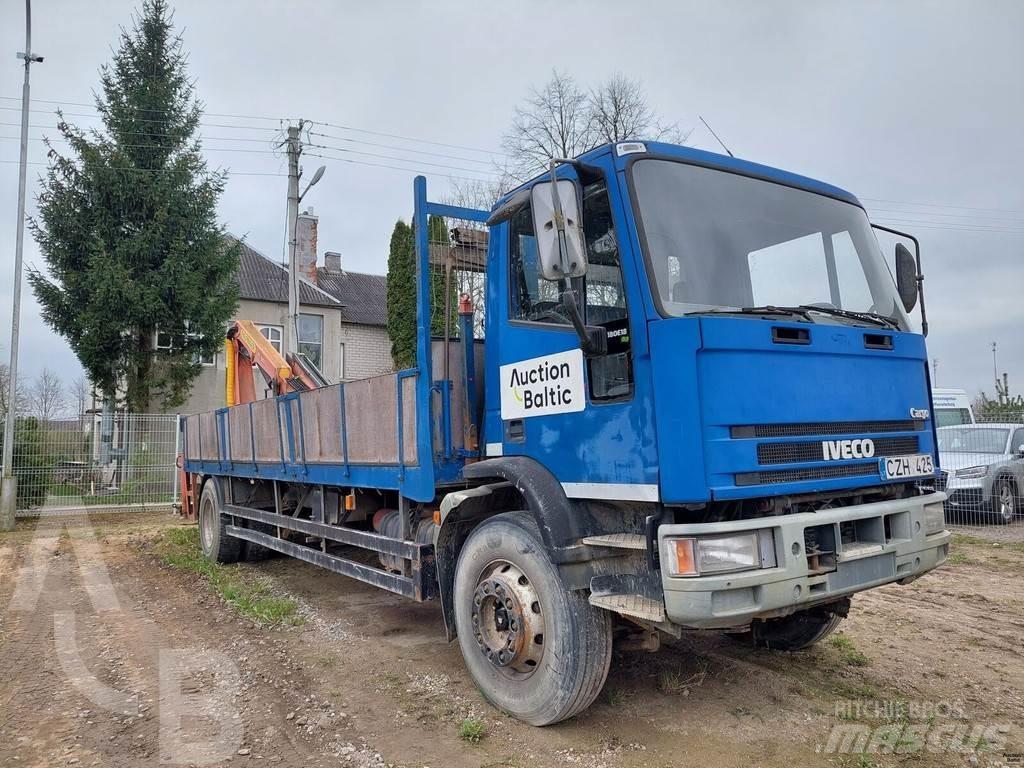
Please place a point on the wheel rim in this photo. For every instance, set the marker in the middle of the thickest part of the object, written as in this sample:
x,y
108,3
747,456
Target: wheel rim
x,y
508,621
1006,501
206,523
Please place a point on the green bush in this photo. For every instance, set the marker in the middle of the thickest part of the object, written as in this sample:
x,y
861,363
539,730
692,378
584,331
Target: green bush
x,y
33,467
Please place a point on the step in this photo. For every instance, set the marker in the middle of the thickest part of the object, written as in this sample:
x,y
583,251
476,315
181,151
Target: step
x,y
618,541
631,605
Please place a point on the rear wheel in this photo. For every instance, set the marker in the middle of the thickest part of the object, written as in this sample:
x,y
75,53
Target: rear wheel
x,y
534,649
215,542
1006,500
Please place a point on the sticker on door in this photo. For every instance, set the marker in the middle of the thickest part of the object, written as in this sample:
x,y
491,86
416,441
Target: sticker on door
x,y
543,386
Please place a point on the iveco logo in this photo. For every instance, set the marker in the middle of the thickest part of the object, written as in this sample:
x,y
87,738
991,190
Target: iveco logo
x,y
847,449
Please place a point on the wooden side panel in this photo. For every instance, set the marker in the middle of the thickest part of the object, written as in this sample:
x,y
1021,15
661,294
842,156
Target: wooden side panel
x,y
192,437
371,416
208,428
239,434
410,452
455,364
264,427
321,424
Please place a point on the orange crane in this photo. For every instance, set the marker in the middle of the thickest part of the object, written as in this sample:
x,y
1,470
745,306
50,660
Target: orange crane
x,y
248,350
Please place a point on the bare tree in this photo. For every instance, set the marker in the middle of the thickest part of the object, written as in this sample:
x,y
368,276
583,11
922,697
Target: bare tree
x,y
47,396
553,121
619,111
80,395
563,120
20,397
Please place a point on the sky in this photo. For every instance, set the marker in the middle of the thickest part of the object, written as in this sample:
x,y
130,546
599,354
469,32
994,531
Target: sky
x,y
915,107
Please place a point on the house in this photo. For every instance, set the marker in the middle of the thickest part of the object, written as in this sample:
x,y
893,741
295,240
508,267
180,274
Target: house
x,y
342,323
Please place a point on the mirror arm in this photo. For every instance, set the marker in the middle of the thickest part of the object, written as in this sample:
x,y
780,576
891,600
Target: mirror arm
x,y
920,275
593,338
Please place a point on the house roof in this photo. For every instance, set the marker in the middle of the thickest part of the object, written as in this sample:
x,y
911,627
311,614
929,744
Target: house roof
x,y
363,297
261,279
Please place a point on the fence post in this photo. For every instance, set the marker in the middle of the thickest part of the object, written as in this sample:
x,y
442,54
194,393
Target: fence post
x,y
177,453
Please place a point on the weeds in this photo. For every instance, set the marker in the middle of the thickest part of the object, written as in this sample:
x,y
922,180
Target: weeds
x,y
246,593
617,697
848,652
676,683
959,558
472,730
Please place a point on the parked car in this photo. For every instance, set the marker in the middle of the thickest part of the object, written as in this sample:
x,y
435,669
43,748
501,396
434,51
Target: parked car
x,y
983,468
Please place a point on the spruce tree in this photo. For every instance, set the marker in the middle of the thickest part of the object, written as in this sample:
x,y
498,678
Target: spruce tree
x,y
127,227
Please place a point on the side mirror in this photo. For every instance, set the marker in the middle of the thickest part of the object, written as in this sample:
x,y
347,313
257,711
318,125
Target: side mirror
x,y
568,259
906,276
1020,451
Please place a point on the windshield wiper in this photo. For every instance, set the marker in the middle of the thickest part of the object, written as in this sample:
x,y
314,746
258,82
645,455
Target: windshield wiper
x,y
867,317
765,310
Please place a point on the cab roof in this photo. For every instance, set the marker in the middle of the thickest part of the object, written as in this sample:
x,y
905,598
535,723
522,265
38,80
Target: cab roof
x,y
626,153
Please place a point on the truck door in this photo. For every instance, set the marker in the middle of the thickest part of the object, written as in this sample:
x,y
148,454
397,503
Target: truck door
x,y
577,417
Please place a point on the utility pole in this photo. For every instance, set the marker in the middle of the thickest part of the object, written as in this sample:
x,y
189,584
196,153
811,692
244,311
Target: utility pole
x,y
8,483
294,150
935,372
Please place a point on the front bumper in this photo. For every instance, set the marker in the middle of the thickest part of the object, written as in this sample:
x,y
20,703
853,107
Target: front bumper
x,y
892,547
970,494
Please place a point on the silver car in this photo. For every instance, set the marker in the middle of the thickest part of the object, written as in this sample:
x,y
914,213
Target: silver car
x,y
983,468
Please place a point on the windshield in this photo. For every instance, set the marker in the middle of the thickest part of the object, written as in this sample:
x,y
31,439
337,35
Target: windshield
x,y
946,417
972,440
717,240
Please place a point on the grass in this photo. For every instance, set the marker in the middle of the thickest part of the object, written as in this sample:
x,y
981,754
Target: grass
x,y
472,730
245,592
617,697
959,558
848,652
673,682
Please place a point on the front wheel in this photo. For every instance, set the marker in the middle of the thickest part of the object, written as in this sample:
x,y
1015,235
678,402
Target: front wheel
x,y
534,649
1006,500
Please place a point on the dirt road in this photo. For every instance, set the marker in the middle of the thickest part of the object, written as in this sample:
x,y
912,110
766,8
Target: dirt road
x,y
109,656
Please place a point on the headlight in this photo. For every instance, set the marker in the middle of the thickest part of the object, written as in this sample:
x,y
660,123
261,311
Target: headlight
x,y
934,519
695,556
969,472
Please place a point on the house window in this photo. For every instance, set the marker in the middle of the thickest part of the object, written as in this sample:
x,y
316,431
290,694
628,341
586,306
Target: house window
x,y
341,362
272,333
311,338
165,341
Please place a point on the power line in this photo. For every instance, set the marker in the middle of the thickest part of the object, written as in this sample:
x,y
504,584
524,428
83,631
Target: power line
x,y
405,138
400,149
391,167
941,205
398,159
93,106
162,170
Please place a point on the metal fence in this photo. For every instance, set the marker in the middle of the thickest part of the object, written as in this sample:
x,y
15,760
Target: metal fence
x,y
95,462
983,470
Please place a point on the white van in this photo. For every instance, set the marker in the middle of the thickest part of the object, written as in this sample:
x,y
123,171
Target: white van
x,y
952,407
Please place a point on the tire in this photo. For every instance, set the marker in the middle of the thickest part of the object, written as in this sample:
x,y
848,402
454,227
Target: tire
x,y
545,658
795,632
1005,500
215,542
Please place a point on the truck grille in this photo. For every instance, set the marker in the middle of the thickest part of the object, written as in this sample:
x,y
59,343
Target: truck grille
x,y
788,453
825,428
773,476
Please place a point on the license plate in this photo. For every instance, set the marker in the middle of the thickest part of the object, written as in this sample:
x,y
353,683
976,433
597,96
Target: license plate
x,y
914,465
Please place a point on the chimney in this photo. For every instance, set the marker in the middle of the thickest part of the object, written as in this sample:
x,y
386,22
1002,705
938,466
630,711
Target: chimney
x,y
332,262
305,245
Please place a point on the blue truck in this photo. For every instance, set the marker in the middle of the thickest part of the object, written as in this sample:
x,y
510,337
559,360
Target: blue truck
x,y
656,390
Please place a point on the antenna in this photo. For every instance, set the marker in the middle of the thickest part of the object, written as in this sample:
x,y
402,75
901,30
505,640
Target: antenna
x,y
716,136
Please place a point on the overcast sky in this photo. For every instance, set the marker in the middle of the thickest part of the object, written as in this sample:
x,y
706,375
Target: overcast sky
x,y
917,108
